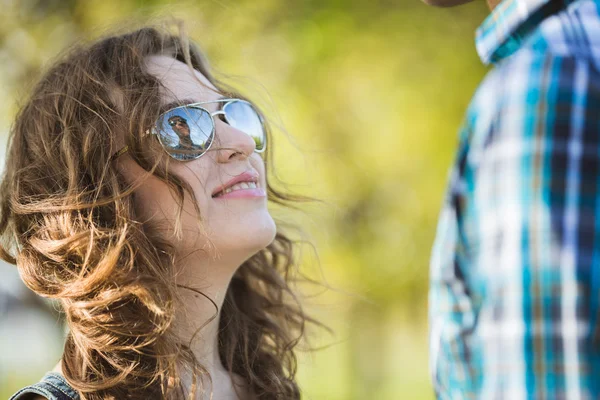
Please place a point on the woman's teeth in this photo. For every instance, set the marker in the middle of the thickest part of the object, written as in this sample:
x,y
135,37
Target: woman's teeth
x,y
239,186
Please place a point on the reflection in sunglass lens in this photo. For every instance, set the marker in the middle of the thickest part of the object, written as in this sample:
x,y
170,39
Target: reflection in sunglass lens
x,y
186,132
241,115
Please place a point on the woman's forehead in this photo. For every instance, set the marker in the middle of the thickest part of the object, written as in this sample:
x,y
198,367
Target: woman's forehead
x,y
179,81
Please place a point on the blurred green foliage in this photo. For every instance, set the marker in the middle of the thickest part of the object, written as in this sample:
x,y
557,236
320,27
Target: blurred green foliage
x,y
371,94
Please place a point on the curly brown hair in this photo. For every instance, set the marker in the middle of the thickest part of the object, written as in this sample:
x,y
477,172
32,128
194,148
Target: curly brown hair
x,y
67,220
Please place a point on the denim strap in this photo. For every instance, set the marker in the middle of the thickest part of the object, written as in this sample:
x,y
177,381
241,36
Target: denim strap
x,y
53,386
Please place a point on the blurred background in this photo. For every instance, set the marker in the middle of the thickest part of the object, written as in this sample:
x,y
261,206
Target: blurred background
x,y
368,97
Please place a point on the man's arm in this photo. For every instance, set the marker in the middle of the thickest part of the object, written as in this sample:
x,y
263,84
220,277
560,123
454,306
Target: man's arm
x,y
514,307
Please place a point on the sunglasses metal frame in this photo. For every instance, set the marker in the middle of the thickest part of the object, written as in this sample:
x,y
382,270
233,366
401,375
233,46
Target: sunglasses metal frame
x,y
154,130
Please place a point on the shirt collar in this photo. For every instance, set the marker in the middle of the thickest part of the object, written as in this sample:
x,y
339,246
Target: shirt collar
x,y
502,32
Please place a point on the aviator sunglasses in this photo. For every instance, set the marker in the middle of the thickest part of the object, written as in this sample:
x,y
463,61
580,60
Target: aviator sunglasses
x,y
187,132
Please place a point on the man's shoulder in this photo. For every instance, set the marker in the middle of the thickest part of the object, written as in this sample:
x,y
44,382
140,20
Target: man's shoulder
x,y
531,77
532,91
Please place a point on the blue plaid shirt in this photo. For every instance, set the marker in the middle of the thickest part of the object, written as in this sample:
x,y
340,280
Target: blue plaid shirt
x,y
515,270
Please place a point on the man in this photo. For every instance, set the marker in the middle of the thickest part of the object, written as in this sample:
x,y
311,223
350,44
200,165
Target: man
x,y
182,129
515,271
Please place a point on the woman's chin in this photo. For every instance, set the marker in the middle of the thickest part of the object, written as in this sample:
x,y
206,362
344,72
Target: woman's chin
x,y
262,233
249,236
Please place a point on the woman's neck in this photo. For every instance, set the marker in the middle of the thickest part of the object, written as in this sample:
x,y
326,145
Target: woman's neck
x,y
203,286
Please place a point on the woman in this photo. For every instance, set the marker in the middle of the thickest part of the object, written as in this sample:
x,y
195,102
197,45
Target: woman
x,y
173,276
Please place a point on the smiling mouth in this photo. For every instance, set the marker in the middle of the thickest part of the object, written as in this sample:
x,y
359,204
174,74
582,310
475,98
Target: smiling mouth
x,y
237,186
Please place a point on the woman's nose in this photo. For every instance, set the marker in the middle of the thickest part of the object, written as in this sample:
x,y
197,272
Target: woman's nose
x,y
231,141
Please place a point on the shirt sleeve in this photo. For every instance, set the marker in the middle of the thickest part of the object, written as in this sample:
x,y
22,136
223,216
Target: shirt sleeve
x,y
515,270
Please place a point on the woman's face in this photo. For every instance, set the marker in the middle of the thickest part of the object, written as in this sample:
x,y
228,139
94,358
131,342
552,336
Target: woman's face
x,y
238,224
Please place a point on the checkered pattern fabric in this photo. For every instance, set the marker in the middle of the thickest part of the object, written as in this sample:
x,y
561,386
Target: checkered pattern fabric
x,y
515,269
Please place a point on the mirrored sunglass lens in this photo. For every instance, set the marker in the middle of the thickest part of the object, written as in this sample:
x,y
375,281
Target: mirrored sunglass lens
x,y
244,117
185,132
